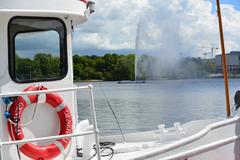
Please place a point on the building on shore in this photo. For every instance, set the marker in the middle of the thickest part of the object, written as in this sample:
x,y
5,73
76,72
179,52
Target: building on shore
x,y
233,62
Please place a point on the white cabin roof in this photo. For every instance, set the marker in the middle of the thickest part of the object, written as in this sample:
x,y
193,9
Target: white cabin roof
x,y
73,9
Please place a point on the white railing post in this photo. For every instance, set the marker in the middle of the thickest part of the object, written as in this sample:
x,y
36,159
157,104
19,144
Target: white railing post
x,y
1,151
94,119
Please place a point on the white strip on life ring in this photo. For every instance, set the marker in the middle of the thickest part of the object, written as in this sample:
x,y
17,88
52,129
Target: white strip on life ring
x,y
42,98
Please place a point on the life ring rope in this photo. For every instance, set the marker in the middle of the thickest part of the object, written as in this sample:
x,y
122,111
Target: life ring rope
x,y
33,151
28,102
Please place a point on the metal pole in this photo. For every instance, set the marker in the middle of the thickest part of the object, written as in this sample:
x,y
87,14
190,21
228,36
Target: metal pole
x,y
94,122
224,61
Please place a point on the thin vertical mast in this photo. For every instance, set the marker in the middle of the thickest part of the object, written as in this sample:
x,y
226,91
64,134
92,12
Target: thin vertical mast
x,y
224,63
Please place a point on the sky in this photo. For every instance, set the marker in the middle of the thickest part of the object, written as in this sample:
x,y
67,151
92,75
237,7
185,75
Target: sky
x,y
236,3
156,26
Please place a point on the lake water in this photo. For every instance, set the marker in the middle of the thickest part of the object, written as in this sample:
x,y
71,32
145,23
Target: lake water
x,y
142,107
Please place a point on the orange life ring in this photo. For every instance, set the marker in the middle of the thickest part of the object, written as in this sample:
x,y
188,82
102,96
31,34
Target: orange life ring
x,y
33,151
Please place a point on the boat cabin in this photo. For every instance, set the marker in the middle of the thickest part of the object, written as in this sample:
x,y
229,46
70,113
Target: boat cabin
x,y
36,50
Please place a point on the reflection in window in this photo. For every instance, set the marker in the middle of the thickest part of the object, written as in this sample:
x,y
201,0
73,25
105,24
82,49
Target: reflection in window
x,y
40,61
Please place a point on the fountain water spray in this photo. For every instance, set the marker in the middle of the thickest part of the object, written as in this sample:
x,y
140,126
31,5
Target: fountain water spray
x,y
167,35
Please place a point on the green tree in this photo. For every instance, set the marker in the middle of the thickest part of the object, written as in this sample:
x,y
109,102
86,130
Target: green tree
x,y
109,67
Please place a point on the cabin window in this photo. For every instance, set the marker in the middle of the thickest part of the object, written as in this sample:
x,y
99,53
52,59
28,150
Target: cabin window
x,y
37,49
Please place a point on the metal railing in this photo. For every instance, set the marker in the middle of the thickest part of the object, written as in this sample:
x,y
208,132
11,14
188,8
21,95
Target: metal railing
x,y
93,115
191,139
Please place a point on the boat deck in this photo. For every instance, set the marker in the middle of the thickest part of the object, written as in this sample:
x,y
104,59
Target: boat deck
x,y
202,137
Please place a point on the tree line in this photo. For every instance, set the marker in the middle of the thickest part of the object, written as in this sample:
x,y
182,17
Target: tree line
x,y
110,67
41,66
113,67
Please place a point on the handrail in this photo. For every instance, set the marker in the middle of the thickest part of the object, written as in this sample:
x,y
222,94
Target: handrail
x,y
187,140
44,91
46,138
93,113
203,149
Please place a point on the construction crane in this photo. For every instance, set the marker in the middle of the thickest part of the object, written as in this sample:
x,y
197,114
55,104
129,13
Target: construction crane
x,y
209,54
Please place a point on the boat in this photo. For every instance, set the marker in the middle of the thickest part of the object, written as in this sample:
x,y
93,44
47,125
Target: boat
x,y
39,116
131,82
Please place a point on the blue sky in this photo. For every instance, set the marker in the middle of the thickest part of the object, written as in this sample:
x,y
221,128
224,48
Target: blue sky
x,y
236,3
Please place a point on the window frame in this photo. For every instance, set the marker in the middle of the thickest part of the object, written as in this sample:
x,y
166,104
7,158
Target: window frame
x,y
12,50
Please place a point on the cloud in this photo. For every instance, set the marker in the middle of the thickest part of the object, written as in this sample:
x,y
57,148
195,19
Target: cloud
x,y
112,27
176,25
29,44
180,26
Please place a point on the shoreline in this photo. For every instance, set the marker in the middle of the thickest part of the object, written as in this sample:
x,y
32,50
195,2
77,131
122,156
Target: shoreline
x,y
162,79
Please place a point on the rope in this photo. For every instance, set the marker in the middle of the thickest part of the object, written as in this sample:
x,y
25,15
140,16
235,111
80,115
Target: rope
x,y
33,115
18,152
120,129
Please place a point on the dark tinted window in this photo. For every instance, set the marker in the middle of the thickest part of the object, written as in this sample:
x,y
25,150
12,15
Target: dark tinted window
x,y
37,49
